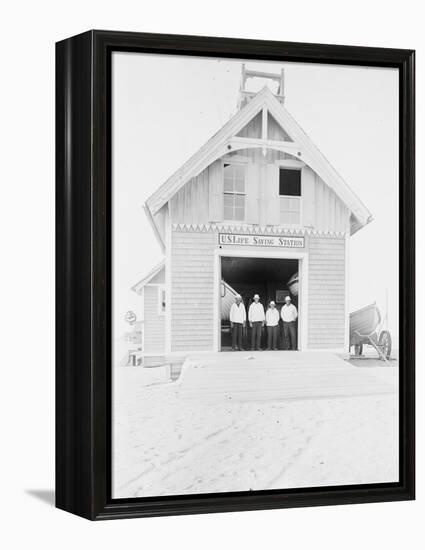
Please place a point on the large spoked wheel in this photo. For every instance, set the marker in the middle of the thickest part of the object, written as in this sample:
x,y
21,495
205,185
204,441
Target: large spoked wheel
x,y
358,349
385,343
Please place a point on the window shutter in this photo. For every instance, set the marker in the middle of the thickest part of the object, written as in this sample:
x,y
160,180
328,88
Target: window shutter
x,y
307,197
252,177
215,180
272,194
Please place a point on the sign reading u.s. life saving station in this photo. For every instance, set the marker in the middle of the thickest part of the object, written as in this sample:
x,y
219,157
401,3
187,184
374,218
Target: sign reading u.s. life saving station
x,y
258,192
260,240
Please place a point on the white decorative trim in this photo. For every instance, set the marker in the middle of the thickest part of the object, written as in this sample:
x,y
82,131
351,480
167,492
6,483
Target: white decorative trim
x,y
224,140
154,227
290,163
238,143
264,123
234,157
213,149
245,229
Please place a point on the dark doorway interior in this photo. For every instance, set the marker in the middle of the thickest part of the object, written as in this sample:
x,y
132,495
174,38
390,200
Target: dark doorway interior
x,y
267,277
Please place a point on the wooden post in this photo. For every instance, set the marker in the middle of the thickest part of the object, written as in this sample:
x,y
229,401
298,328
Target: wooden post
x,y
281,91
264,126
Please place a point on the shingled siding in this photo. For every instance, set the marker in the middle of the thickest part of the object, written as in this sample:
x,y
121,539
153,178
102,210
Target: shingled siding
x,y
154,325
192,290
326,293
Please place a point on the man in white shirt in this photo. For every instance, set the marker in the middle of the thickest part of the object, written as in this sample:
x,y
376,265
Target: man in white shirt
x,y
237,322
256,319
272,323
289,316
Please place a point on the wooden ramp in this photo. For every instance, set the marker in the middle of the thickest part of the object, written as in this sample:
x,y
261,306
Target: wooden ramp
x,y
260,376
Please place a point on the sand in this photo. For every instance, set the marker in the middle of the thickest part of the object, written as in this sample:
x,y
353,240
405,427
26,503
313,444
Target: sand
x,y
166,445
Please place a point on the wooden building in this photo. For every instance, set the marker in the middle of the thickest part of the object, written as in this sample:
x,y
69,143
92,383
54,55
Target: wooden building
x,y
256,204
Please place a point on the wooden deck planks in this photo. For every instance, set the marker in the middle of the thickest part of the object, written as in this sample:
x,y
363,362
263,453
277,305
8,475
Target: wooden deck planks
x,y
258,376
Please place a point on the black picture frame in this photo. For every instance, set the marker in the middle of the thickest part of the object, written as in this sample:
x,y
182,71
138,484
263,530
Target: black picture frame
x,y
83,273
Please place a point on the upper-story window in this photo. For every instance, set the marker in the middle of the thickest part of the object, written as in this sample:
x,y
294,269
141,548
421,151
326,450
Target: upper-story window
x,y
290,196
234,192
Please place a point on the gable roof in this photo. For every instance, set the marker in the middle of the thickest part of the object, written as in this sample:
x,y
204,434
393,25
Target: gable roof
x,y
300,146
152,273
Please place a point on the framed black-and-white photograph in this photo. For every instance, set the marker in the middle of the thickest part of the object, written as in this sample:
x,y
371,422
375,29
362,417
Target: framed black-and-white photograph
x,y
235,271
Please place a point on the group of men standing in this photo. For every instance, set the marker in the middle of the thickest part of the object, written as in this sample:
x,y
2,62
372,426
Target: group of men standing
x,y
258,318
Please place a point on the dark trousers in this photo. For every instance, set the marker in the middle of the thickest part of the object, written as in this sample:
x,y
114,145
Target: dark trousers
x,y
256,335
237,335
272,334
290,335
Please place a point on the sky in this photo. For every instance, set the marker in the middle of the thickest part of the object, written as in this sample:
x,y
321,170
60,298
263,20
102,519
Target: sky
x,y
164,108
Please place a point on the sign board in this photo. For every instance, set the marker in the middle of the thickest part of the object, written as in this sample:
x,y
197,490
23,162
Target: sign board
x,y
280,296
261,240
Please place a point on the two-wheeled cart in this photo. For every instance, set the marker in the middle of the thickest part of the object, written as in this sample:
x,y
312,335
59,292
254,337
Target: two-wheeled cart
x,y
367,328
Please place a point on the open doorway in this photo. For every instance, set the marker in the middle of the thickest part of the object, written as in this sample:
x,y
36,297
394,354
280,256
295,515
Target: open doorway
x,y
271,278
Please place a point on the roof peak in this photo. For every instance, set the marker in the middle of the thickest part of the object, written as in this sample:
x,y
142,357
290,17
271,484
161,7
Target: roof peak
x,y
224,140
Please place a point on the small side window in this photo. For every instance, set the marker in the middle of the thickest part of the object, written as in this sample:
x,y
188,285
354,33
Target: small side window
x,y
161,299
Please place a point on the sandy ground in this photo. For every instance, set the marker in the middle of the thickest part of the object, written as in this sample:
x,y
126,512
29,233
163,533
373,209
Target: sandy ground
x,y
164,445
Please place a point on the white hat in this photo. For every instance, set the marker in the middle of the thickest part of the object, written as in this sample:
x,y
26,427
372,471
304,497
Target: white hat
x,y
287,298
272,302
256,296
238,296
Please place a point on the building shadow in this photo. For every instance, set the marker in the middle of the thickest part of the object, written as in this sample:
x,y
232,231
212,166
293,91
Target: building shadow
x,y
45,495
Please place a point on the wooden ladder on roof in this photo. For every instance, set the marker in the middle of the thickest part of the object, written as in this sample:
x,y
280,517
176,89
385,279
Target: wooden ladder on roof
x,y
245,96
